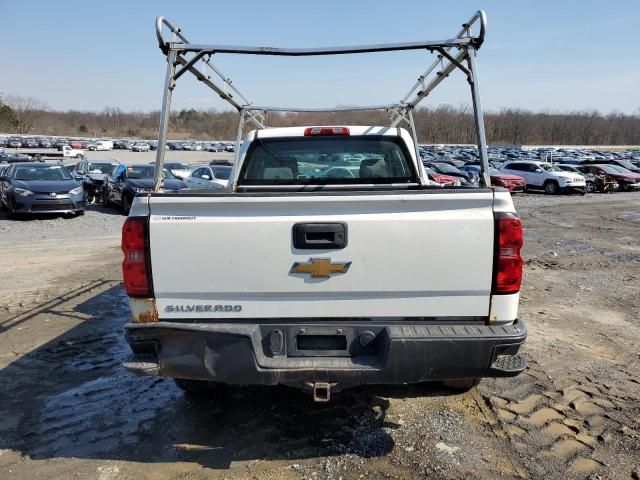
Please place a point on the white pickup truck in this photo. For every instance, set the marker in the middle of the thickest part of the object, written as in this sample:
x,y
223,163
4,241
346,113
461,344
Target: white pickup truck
x,y
329,261
65,152
324,282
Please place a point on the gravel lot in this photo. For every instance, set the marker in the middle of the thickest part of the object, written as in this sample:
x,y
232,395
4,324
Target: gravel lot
x,y
68,410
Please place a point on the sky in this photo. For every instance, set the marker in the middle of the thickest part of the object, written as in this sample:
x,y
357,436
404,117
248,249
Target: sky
x,y
543,55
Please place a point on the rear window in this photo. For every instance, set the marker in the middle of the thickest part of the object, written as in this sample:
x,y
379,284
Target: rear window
x,y
222,173
327,160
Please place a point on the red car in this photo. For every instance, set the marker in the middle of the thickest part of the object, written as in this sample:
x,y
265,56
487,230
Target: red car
x,y
626,179
77,144
440,178
513,183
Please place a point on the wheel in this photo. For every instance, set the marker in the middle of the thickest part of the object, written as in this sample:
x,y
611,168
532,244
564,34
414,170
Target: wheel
x,y
551,187
79,155
462,385
91,198
197,387
126,205
590,187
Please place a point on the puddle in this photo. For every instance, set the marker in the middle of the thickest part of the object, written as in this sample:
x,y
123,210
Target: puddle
x,y
542,416
526,405
567,448
584,465
557,430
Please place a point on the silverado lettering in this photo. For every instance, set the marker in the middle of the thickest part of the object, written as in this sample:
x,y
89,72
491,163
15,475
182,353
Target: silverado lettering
x,y
202,308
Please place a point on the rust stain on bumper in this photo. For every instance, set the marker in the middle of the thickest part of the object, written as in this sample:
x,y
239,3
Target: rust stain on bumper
x,y
143,310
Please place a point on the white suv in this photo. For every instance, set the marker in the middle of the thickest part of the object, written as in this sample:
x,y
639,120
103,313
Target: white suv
x,y
545,176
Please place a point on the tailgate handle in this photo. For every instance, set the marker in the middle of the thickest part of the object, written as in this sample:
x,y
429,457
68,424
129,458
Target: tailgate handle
x,y
310,236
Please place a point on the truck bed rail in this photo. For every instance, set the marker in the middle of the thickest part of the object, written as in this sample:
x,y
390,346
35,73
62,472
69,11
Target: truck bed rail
x,y
456,53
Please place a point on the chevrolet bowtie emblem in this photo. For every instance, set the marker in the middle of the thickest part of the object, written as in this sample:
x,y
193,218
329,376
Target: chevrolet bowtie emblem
x,y
320,267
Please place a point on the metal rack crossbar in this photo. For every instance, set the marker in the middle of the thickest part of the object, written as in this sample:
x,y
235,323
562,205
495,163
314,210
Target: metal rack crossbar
x,y
458,53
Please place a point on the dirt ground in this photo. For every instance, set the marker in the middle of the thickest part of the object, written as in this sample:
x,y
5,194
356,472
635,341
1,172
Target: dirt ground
x,y
68,410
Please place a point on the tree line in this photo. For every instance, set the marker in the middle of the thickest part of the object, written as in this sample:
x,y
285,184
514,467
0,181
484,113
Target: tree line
x,y
442,124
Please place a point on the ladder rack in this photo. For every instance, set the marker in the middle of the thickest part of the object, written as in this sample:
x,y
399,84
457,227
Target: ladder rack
x,y
458,53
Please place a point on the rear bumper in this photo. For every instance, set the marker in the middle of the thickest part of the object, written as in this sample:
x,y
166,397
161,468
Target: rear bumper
x,y
395,354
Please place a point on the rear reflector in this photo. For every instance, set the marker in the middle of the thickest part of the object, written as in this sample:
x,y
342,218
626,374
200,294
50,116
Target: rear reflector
x,y
507,275
311,131
135,266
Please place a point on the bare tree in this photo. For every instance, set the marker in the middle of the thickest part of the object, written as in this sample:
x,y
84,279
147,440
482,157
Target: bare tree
x,y
440,124
25,110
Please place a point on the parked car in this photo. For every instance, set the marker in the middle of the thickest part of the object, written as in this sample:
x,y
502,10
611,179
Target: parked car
x,y
122,145
126,180
594,183
624,181
513,183
628,173
545,176
104,145
44,143
211,176
444,180
60,143
15,158
175,146
38,187
181,170
14,142
215,147
466,177
140,147
91,174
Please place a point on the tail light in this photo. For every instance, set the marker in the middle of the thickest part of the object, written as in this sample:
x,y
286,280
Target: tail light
x,y
136,267
311,131
507,274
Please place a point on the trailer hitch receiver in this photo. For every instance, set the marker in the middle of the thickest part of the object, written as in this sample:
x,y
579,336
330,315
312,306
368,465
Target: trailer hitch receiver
x,y
321,391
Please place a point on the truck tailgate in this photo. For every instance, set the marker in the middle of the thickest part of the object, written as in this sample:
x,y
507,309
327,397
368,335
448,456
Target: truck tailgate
x,y
414,254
